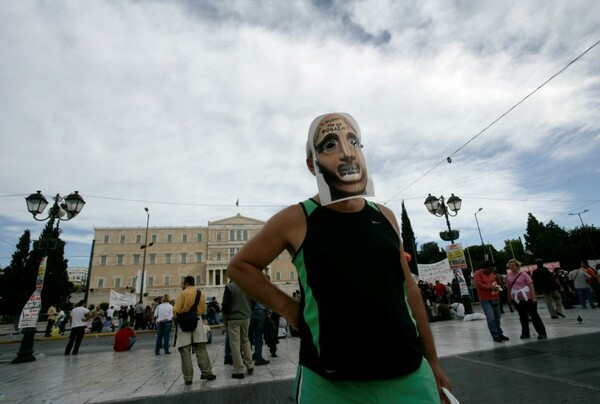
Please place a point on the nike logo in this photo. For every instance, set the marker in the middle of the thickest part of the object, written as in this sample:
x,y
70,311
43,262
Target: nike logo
x,y
375,222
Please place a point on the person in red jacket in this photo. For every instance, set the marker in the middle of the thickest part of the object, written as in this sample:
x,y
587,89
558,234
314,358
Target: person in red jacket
x,y
124,338
488,291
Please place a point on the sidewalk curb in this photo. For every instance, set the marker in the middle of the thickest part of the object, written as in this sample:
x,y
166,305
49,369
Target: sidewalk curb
x,y
88,335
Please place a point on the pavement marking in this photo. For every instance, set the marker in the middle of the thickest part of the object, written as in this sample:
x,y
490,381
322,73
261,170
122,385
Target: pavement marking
x,y
526,373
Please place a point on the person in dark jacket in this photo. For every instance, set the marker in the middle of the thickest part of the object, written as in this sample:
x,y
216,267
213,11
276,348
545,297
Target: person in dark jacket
x,y
545,282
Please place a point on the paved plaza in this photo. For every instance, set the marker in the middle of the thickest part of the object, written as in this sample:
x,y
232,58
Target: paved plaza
x,y
562,369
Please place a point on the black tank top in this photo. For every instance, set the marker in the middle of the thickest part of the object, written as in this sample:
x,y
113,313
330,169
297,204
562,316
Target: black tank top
x,y
355,320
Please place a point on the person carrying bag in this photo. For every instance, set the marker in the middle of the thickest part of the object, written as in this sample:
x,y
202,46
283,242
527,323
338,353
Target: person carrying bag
x,y
190,335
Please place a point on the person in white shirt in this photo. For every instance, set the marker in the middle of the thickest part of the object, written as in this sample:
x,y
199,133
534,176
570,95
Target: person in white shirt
x,y
164,320
79,316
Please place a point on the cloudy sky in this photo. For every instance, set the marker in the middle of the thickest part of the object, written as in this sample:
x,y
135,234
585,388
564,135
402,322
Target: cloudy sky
x,y
185,107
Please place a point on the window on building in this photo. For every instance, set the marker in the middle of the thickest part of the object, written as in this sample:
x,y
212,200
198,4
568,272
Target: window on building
x,y
120,258
100,283
232,252
117,282
277,276
153,238
103,260
136,259
138,239
199,237
133,281
169,238
106,239
122,239
198,280
168,258
184,238
218,236
150,281
167,280
183,258
244,234
218,256
152,259
182,278
292,275
231,235
198,257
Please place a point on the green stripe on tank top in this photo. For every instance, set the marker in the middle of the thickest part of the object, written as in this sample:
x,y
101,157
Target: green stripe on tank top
x,y
311,309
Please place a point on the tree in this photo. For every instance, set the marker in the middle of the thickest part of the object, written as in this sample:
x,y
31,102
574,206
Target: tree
x,y
431,253
408,239
586,241
18,280
57,287
550,243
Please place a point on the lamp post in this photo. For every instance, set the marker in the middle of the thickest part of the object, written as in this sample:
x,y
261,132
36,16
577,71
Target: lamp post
x,y
485,256
583,228
63,209
438,207
145,248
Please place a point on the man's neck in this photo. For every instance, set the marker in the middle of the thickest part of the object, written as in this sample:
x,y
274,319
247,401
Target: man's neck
x,y
348,206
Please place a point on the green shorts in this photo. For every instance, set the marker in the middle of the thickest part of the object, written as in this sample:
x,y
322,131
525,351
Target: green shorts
x,y
418,387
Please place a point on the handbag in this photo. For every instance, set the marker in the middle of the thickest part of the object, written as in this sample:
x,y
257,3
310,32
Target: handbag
x,y
189,321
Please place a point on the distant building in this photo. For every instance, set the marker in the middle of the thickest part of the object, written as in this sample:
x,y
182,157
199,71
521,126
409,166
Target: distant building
x,y
202,252
77,275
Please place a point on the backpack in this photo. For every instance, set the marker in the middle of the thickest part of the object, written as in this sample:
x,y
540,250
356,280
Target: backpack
x,y
189,321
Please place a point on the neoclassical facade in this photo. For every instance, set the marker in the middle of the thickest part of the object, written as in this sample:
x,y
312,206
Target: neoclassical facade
x,y
176,252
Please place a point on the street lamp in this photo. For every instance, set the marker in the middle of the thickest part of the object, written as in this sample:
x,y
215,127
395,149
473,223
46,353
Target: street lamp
x,y
579,214
437,207
485,256
145,247
63,209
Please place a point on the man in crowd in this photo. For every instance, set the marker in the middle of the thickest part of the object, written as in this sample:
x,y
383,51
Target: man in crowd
x,y
124,338
237,309
79,316
192,302
52,313
544,282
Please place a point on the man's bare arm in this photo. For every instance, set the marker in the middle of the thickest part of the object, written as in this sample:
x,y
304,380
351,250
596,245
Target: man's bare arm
x,y
284,231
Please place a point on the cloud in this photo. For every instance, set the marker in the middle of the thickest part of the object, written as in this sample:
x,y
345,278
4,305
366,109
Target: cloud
x,y
185,107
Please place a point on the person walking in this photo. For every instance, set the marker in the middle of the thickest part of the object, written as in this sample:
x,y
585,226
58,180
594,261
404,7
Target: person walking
x,y
593,281
191,302
488,291
61,319
580,277
139,316
522,292
163,315
550,287
79,316
257,331
52,314
343,245
237,309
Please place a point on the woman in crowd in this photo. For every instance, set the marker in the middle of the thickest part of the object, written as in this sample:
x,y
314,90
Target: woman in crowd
x,y
522,293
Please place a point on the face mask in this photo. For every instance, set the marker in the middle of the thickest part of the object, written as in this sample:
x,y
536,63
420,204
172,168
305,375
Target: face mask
x,y
338,180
